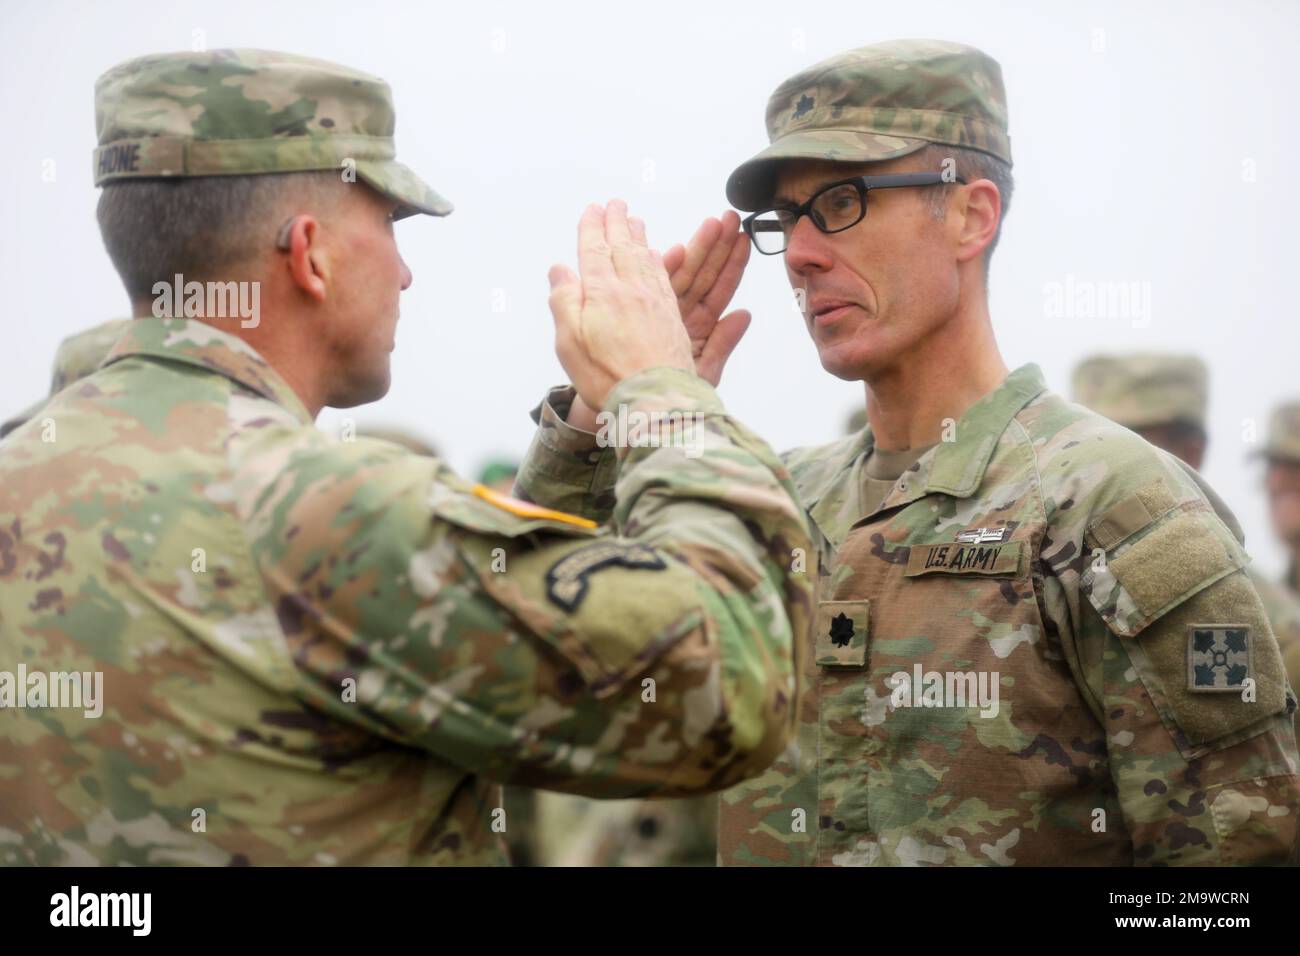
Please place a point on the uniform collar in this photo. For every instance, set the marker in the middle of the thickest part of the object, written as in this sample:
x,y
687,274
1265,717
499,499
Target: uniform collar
x,y
204,346
954,468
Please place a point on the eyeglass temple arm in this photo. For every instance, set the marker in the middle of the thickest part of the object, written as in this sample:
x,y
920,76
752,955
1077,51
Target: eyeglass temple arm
x,y
907,179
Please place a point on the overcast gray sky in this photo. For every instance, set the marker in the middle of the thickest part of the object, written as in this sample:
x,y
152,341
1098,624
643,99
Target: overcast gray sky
x,y
1150,142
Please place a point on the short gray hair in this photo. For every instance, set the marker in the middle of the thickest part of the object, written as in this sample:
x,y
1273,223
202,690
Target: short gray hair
x,y
199,227
970,165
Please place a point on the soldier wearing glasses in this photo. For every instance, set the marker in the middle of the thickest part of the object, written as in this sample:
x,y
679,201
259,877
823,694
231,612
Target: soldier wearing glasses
x,y
1036,641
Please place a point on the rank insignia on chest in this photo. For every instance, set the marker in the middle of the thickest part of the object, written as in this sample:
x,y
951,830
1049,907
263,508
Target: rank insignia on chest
x,y
842,633
1218,657
982,535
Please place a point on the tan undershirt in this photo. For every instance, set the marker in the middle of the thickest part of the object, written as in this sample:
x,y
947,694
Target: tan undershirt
x,y
882,469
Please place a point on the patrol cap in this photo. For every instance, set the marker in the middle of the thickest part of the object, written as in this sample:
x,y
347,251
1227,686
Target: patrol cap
x,y
1284,433
229,112
879,102
1141,390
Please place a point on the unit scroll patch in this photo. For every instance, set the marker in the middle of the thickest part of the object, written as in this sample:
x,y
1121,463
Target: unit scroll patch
x,y
1218,657
566,581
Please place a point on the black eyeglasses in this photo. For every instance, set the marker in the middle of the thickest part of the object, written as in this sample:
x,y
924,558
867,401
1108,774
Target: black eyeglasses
x,y
833,208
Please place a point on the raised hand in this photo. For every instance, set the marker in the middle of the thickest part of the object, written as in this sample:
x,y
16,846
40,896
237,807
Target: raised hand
x,y
621,315
704,274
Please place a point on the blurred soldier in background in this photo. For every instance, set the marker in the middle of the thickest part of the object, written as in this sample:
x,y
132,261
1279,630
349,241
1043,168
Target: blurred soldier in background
x,y
303,650
1164,399
1282,458
499,474
77,356
399,436
1282,484
856,421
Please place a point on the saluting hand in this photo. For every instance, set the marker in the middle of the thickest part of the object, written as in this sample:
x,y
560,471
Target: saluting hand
x,y
705,274
620,317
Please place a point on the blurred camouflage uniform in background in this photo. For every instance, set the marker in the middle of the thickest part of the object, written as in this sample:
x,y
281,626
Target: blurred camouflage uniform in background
x,y
1283,448
77,356
314,651
1084,573
1282,451
1156,395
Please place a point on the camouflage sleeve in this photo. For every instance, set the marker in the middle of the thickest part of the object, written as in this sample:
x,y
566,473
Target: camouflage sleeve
x,y
1190,685
526,645
565,468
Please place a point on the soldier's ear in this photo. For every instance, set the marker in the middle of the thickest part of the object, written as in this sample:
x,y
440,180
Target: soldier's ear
x,y
300,242
979,209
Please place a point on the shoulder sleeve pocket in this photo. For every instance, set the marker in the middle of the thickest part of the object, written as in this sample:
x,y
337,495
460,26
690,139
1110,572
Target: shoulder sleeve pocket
x,y
1152,571
1176,595
609,606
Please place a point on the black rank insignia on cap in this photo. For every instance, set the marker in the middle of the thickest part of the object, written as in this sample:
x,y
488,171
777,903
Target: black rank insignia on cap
x,y
566,581
1218,657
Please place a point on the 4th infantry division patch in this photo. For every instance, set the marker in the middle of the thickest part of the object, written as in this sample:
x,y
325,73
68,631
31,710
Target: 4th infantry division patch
x,y
1218,657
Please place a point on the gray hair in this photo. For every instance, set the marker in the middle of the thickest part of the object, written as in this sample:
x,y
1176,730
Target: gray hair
x,y
200,227
970,165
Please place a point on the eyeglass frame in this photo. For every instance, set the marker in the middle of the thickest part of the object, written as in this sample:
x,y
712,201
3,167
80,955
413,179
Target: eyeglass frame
x,y
864,185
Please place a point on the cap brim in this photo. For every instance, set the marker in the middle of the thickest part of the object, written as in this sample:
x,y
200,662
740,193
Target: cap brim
x,y
751,186
400,184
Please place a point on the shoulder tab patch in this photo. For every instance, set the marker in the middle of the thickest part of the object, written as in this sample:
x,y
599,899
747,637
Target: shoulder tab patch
x,y
1131,514
566,581
526,509
1218,657
991,559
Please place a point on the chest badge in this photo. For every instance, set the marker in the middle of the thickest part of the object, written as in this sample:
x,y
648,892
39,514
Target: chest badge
x,y
982,535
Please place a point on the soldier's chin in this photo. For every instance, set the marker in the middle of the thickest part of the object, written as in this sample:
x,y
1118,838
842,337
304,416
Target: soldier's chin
x,y
362,390
850,362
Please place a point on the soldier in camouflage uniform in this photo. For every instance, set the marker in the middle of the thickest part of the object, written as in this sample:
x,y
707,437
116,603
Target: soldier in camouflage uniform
x,y
321,651
1281,453
1164,398
1036,640
77,356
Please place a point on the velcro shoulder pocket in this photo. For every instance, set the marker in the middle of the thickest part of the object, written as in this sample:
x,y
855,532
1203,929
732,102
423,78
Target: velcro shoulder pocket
x,y
1135,576
609,606
1175,593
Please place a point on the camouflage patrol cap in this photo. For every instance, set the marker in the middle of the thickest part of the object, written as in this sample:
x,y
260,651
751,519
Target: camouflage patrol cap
x,y
1142,390
1284,433
879,102
228,112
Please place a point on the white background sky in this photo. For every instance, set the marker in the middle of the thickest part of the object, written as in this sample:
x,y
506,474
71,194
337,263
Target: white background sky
x,y
1150,140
